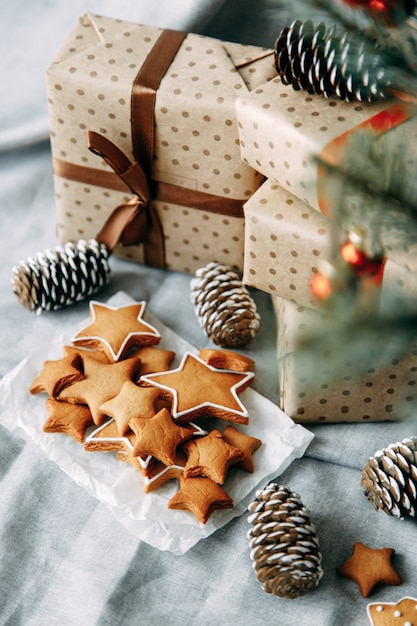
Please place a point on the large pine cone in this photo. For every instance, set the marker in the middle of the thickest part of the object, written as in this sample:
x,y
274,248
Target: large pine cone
x,y
389,479
284,546
56,278
322,62
224,307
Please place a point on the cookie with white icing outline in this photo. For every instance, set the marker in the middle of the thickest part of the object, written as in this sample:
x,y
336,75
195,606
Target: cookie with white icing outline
x,y
116,330
198,389
401,613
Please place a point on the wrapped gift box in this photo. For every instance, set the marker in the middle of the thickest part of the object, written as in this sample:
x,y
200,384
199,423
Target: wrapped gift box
x,y
285,241
384,392
284,132
165,103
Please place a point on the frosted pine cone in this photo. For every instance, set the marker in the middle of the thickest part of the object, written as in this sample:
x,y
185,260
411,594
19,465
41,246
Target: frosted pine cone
x,y
224,306
284,545
389,479
56,278
323,62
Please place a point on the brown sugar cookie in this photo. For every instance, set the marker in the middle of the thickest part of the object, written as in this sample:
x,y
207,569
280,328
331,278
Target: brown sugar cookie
x,y
210,456
69,419
227,360
247,444
401,613
115,330
154,359
159,436
197,388
101,382
200,496
368,567
131,401
57,374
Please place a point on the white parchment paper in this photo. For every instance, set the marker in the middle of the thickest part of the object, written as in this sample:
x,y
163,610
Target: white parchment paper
x,y
119,485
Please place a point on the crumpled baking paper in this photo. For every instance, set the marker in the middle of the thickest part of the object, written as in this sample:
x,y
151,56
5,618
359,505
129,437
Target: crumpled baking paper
x,y
119,485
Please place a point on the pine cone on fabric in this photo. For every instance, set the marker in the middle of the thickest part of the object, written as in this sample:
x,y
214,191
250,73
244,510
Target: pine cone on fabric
x,y
389,479
224,307
321,61
56,278
284,545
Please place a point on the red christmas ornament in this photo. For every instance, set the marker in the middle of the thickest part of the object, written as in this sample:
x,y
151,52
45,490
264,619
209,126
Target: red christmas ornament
x,y
361,264
321,287
392,12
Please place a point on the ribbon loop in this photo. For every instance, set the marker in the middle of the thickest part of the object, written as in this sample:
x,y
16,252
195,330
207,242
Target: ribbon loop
x,y
135,221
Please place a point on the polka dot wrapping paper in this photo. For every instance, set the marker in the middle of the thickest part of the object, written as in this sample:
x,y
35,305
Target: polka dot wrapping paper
x,y
195,142
286,240
379,394
283,131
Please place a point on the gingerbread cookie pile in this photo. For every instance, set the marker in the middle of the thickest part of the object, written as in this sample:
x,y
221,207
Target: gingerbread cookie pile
x,y
113,390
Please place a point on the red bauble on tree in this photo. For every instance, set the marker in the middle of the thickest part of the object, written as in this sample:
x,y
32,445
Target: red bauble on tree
x,y
391,12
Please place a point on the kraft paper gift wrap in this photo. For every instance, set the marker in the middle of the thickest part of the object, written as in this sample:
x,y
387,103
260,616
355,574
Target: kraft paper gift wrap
x,y
286,240
283,132
383,393
165,101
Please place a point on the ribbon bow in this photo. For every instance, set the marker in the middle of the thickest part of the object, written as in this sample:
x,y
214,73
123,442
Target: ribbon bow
x,y
135,221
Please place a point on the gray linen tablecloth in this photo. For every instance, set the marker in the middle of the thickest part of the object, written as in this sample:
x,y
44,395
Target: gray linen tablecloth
x,y
64,558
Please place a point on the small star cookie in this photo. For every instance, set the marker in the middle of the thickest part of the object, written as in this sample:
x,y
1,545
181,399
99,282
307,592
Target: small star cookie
x,y
159,436
210,456
70,419
57,374
101,382
247,444
401,613
115,330
197,388
154,359
131,401
368,567
200,496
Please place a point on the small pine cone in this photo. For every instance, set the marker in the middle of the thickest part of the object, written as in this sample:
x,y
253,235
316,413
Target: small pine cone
x,y
389,479
323,62
57,278
284,545
224,306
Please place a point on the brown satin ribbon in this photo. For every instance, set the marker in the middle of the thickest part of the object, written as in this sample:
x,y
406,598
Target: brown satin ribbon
x,y
136,220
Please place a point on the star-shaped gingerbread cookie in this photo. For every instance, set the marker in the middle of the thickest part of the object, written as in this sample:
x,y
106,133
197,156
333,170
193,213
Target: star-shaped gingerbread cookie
x,y
159,436
368,567
131,401
247,444
70,419
116,330
57,374
210,456
153,359
102,382
200,496
197,388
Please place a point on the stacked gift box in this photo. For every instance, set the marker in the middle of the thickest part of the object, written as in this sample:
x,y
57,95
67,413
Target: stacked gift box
x,y
286,134
164,101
